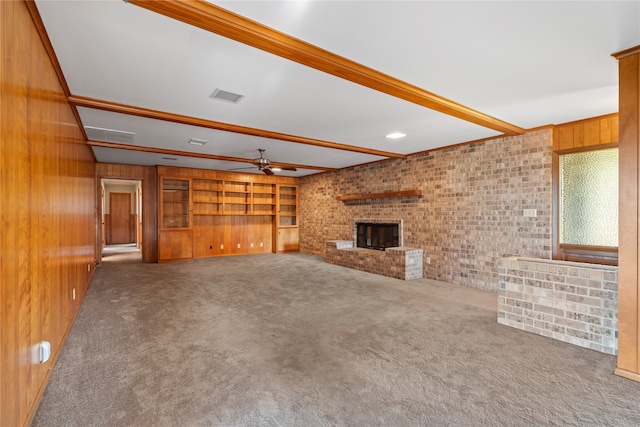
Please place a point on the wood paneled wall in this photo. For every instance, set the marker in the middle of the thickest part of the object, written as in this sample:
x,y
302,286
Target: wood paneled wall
x,y
148,176
629,207
212,231
585,133
47,214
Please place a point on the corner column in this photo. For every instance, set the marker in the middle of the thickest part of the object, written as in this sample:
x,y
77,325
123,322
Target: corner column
x,y
629,222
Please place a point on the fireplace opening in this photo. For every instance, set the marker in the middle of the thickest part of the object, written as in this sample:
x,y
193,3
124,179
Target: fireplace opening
x,y
377,236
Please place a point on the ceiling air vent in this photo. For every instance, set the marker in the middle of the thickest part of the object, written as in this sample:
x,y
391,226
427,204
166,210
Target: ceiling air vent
x,y
226,96
109,135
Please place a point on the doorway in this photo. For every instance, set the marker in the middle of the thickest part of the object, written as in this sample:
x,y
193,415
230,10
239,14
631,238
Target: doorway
x,y
119,223
121,219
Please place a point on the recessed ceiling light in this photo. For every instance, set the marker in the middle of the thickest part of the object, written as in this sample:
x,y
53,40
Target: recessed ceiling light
x,y
226,96
396,135
195,141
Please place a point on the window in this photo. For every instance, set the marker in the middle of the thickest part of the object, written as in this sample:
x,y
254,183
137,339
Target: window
x,y
586,206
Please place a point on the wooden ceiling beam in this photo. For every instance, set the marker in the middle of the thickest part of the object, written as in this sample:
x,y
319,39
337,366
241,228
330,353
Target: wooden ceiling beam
x,y
82,101
236,27
197,155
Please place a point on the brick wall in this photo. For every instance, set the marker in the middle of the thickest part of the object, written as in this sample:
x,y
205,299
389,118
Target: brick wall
x,y
571,302
470,213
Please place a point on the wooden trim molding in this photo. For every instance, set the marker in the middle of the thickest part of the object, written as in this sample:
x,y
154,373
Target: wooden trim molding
x,y
82,101
385,195
627,374
236,27
627,52
589,254
197,155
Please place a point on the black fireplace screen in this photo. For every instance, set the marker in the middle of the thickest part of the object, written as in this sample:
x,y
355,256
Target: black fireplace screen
x,y
377,236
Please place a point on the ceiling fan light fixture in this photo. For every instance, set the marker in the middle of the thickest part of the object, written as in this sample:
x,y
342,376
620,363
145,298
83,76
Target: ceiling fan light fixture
x,y
226,96
395,135
195,141
276,169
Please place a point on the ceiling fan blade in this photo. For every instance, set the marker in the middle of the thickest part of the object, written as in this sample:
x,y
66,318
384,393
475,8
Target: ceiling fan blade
x,y
268,171
287,168
238,169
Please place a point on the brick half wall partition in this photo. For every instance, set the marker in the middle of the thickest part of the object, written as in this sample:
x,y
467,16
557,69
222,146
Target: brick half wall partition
x,y
571,302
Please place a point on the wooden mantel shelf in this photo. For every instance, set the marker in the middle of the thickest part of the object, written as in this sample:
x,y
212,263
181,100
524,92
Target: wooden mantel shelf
x,y
388,194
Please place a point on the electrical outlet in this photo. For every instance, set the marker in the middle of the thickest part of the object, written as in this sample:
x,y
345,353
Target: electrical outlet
x,y
89,268
210,247
44,351
238,245
261,244
74,294
530,213
252,245
221,246
428,260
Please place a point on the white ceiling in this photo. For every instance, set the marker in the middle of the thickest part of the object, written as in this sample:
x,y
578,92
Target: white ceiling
x,y
527,63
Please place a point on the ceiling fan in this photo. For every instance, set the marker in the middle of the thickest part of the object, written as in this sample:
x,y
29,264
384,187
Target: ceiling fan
x,y
263,164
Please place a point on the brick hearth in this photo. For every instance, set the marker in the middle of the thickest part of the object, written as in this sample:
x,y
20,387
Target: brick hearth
x,y
400,263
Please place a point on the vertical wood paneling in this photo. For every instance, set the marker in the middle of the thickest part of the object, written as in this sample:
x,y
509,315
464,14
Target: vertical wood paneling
x,y
9,292
628,278
591,133
605,131
47,206
586,133
204,244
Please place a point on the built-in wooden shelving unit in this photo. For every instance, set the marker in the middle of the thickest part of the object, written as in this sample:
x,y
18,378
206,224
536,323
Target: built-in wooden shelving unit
x,y
210,213
385,195
221,197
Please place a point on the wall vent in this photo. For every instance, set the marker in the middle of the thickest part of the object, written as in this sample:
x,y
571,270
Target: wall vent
x,y
109,135
226,96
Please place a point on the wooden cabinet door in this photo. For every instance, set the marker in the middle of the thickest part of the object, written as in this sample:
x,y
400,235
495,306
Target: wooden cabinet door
x,y
175,245
287,240
287,219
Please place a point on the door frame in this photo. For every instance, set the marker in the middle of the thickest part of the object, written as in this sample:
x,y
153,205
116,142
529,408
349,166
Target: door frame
x,y
148,177
100,224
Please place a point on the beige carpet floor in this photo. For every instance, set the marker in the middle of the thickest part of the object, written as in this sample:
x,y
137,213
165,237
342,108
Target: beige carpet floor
x,y
288,340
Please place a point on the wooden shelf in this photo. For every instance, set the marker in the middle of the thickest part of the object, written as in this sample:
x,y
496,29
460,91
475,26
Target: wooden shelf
x,y
388,194
207,197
